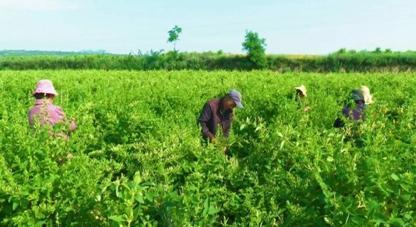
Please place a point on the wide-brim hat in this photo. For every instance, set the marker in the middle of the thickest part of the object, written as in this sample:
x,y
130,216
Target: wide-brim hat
x,y
365,91
302,89
45,87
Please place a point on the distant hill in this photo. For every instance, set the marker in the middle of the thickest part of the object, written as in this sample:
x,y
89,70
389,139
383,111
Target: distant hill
x,y
49,53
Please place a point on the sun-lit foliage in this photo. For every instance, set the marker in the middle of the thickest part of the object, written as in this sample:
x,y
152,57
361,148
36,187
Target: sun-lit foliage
x,y
136,158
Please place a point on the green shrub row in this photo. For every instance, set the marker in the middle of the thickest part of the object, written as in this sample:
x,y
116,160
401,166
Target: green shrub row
x,y
338,62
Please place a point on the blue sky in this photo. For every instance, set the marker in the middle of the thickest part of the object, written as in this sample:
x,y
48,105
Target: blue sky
x,y
290,26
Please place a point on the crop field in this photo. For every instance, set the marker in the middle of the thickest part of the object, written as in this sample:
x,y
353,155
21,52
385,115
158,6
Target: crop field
x,y
137,157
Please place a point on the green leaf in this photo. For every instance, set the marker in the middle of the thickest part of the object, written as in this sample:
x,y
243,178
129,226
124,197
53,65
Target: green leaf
x,y
117,218
139,198
394,177
15,205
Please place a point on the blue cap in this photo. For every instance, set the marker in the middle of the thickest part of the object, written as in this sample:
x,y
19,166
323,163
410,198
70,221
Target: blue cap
x,y
236,97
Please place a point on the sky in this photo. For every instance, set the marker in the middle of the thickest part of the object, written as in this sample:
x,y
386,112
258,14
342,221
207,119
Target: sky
x,y
126,26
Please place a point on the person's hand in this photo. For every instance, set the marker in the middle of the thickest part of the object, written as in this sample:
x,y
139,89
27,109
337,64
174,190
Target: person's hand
x,y
69,156
213,140
225,150
72,126
61,135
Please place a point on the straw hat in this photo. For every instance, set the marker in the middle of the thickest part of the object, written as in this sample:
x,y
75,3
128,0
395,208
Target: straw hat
x,y
365,91
45,87
302,89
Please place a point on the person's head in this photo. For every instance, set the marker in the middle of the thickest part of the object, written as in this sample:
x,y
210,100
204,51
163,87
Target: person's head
x,y
301,91
45,89
44,96
232,100
357,96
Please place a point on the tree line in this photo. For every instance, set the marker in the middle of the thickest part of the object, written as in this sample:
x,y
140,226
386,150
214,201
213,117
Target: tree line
x,y
255,58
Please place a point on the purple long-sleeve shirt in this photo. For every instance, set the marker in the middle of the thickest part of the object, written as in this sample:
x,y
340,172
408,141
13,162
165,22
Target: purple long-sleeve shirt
x,y
355,114
211,116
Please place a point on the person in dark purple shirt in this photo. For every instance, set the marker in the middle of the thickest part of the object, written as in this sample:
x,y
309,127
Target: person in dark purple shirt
x,y
355,111
219,112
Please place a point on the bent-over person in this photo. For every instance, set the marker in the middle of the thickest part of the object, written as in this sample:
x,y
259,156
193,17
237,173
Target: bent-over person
x,y
219,112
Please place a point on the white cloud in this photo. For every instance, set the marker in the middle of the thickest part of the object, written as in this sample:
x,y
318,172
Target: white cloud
x,y
36,5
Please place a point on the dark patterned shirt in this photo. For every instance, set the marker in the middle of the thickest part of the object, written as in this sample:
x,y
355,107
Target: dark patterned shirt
x,y
211,116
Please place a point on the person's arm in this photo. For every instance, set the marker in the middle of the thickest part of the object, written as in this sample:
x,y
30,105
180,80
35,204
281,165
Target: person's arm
x,y
346,111
339,122
30,118
72,126
226,125
306,106
203,119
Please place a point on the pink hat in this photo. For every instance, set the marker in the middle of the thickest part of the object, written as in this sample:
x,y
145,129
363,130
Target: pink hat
x,y
45,87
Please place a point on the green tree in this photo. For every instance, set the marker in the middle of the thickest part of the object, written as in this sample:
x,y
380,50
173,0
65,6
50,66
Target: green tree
x,y
378,50
342,51
174,36
256,49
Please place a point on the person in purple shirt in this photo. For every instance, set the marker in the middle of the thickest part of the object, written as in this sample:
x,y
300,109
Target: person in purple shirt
x,y
219,112
356,110
44,112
